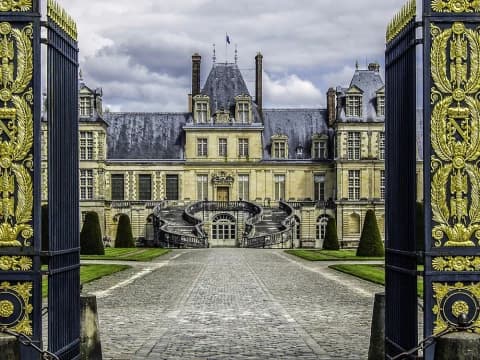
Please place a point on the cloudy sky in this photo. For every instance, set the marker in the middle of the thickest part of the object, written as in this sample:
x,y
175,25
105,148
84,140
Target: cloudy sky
x,y
140,51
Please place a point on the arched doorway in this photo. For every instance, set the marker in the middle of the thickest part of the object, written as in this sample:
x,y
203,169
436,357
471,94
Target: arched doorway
x,y
224,230
322,222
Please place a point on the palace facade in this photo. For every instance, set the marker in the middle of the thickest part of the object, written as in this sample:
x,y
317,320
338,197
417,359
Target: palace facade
x,y
324,162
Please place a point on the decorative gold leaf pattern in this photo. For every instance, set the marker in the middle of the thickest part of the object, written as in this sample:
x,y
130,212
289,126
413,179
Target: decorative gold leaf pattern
x,y
22,291
456,6
15,263
15,5
456,263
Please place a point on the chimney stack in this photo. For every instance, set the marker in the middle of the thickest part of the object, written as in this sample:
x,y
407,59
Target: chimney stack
x,y
196,60
374,67
331,106
259,81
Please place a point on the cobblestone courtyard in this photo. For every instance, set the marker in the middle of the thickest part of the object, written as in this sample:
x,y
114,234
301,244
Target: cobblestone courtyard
x,y
233,304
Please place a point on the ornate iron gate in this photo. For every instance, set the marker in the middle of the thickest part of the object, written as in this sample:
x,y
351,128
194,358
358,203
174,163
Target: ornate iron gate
x,y
451,138
401,263
20,171
63,187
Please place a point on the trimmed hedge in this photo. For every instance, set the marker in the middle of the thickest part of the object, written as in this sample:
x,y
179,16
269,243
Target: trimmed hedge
x,y
91,236
331,237
371,243
124,238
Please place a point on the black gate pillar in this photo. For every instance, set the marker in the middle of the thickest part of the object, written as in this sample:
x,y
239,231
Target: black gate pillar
x,y
452,172
451,153
20,106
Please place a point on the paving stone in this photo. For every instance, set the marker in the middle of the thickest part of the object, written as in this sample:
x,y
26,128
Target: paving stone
x,y
234,304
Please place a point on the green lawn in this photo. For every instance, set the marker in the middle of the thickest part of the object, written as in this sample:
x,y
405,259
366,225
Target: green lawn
x,y
90,273
130,254
329,255
373,273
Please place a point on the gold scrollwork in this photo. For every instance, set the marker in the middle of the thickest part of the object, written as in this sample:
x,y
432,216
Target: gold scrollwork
x,y
16,135
457,263
455,135
401,20
60,17
15,5
23,292
442,292
15,263
456,6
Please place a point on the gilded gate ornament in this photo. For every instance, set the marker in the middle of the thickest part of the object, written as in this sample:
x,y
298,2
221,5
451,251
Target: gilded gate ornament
x,y
16,307
15,263
15,5
452,301
456,6
456,263
455,136
401,20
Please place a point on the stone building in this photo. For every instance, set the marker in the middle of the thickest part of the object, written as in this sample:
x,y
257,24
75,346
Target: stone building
x,y
323,162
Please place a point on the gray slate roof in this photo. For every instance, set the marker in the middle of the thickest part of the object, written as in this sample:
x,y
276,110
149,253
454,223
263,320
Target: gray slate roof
x,y
298,124
369,82
223,84
151,136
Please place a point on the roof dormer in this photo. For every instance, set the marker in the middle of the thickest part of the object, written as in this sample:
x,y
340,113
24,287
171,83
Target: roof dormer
x,y
201,113
380,102
354,102
279,146
243,109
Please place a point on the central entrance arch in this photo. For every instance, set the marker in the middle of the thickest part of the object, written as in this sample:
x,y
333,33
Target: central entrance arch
x,y
224,230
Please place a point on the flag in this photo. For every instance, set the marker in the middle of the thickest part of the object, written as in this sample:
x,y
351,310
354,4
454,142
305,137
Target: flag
x,y
228,38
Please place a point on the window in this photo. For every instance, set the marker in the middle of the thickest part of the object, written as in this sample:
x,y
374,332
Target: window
x,y
381,105
85,106
244,187
86,145
171,187
222,147
223,227
381,146
118,187
279,187
243,112
319,191
202,187
354,184
353,146
382,184
242,147
280,150
354,105
322,222
145,187
86,184
320,150
201,110
299,152
202,147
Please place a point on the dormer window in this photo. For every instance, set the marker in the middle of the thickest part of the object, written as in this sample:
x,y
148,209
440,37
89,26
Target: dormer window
x,y
380,104
279,146
354,105
202,109
320,147
243,111
86,109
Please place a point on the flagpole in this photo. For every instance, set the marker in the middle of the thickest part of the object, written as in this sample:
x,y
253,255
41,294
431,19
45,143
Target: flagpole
x,y
226,48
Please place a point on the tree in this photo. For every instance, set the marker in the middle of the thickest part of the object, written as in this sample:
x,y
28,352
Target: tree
x,y
91,236
124,238
371,243
331,237
419,232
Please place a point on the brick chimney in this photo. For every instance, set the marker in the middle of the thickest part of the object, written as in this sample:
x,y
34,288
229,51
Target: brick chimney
x,y
331,106
374,67
196,60
259,81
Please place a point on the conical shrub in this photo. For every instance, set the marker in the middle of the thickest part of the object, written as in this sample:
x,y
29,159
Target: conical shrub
x,y
91,236
371,243
124,238
331,237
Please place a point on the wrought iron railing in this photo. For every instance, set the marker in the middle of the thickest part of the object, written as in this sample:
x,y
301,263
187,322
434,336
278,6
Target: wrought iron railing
x,y
281,237
327,204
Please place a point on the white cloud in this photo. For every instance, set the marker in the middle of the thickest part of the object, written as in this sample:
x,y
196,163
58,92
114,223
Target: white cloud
x,y
291,91
318,41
